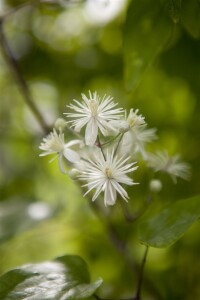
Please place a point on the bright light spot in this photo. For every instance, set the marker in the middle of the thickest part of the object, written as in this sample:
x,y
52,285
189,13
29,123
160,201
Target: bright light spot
x,y
2,6
70,23
103,11
39,211
62,32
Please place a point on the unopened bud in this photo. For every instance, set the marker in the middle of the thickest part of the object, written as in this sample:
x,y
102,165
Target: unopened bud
x,y
123,126
60,124
73,173
155,185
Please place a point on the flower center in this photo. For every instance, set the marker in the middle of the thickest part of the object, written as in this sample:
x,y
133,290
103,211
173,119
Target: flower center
x,y
131,121
93,107
134,119
108,172
56,145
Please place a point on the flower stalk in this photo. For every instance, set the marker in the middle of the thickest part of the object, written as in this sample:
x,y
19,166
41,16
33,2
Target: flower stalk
x,y
141,275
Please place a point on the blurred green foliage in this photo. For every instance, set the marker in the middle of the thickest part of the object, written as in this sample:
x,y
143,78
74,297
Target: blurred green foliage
x,y
146,56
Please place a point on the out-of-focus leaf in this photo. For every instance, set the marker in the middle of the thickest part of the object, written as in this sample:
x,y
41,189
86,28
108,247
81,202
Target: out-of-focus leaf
x,y
166,227
173,8
147,32
64,278
17,216
190,17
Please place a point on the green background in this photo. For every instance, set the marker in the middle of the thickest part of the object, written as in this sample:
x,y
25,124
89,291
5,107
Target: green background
x,y
146,57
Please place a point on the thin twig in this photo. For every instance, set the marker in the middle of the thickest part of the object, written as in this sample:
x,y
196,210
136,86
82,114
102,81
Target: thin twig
x,y
122,134
98,143
14,67
141,273
119,244
111,140
128,216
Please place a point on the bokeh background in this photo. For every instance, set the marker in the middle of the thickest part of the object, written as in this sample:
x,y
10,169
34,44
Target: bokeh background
x,y
146,54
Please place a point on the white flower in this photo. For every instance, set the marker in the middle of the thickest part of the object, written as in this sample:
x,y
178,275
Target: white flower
x,y
95,114
171,165
125,124
54,144
134,119
135,140
106,174
135,136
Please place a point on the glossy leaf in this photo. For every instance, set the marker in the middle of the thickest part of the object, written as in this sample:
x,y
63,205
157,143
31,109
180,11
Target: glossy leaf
x,y
147,32
166,227
64,278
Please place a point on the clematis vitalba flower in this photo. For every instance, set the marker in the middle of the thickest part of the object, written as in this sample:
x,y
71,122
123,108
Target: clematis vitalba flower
x,y
107,173
54,144
173,165
94,113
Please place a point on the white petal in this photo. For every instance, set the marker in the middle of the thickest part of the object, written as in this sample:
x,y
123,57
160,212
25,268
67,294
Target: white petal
x,y
91,132
110,194
78,124
73,142
45,153
98,191
71,155
120,190
61,164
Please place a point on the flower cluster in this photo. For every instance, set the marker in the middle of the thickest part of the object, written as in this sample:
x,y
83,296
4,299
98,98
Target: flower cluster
x,y
104,156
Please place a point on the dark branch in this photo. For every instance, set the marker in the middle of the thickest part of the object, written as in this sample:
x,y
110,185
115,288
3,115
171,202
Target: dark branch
x,y
17,74
141,273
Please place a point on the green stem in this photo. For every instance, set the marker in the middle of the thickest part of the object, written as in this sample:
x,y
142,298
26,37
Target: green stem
x,y
79,136
111,140
100,146
132,217
118,143
141,274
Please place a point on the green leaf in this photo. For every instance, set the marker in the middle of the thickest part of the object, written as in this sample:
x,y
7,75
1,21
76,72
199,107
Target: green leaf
x,y
17,216
166,227
147,33
64,278
173,8
191,17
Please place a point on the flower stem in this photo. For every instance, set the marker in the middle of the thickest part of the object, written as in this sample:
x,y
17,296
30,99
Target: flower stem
x,y
141,273
120,138
100,146
132,217
111,140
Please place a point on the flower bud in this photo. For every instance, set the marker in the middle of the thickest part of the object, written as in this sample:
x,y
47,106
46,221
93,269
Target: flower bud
x,y
123,126
155,185
73,173
60,124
